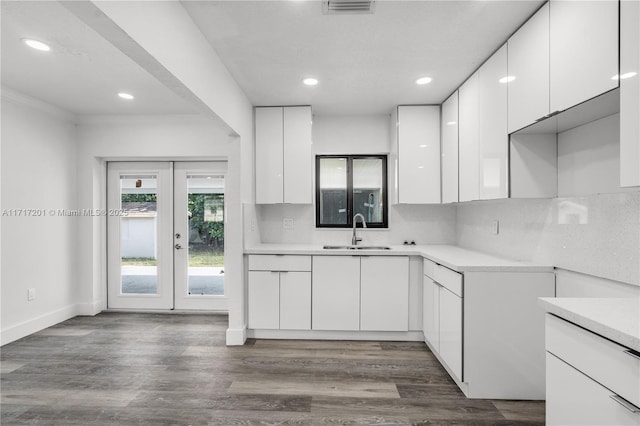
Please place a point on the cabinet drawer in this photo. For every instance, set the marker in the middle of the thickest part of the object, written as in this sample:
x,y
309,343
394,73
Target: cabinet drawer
x,y
449,279
604,361
278,262
429,268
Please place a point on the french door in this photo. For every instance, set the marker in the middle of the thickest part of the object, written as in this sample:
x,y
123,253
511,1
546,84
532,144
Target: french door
x,y
165,237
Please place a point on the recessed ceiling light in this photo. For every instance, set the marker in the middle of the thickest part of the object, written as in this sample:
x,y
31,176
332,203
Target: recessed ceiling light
x,y
35,44
423,80
422,146
625,75
126,96
450,123
310,81
507,79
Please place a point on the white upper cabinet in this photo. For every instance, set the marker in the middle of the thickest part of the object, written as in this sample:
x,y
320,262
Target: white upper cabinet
x,y
450,149
283,155
528,69
469,189
418,147
629,93
584,51
492,126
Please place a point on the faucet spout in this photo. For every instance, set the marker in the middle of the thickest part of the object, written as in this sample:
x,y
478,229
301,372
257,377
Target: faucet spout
x,y
355,238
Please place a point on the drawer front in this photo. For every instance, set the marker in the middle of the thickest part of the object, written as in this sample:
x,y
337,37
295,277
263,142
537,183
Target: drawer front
x,y
279,262
602,360
449,279
429,268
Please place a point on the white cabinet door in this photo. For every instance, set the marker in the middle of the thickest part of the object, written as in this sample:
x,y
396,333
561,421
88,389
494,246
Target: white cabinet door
x,y
451,331
584,50
630,93
295,300
297,155
336,293
469,186
574,399
493,137
384,293
269,155
431,312
264,300
450,149
419,154
528,91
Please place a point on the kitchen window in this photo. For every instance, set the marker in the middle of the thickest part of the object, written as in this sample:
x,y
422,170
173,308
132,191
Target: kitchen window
x,y
351,184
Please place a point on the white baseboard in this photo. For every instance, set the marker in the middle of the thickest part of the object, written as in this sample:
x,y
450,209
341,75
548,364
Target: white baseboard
x,y
236,336
36,324
403,336
89,309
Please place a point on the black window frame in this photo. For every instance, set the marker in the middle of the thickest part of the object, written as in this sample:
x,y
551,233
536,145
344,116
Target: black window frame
x,y
385,195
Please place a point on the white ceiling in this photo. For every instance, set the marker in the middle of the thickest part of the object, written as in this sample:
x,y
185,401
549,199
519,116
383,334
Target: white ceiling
x,y
83,73
366,63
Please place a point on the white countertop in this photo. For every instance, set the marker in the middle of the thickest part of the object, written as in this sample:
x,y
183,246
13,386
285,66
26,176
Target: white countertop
x,y
453,257
616,319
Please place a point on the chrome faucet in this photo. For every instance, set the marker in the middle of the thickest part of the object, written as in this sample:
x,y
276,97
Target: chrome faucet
x,y
355,239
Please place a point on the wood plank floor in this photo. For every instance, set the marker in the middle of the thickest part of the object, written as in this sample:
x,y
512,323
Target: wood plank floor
x,y
125,369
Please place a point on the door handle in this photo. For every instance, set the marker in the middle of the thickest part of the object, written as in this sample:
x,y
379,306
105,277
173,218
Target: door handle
x,y
178,246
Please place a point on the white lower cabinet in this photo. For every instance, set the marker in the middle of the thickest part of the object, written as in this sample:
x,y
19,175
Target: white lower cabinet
x,y
575,399
336,293
486,328
279,292
368,293
384,293
451,331
590,380
442,314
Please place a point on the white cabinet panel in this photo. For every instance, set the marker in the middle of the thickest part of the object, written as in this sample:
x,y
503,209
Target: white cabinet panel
x,y
575,399
584,51
419,154
269,155
469,188
528,57
336,293
264,300
493,137
384,293
431,312
630,93
297,155
451,331
295,300
277,262
450,149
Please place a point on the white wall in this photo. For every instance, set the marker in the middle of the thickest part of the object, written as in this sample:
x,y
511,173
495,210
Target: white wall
x,y
425,224
180,138
38,172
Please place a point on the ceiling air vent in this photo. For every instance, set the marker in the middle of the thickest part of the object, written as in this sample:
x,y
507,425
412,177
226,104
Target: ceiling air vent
x,y
336,7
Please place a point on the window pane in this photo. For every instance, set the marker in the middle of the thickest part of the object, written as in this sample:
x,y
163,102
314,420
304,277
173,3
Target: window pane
x,y
367,188
333,191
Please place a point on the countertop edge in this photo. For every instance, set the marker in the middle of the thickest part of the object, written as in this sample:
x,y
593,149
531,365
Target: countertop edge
x,y
591,324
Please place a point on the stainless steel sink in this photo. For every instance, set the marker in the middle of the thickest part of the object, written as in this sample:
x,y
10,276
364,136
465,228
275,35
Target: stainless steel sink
x,y
356,248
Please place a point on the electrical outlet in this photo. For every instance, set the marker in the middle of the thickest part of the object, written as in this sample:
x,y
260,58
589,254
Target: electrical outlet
x,y
253,224
31,294
495,227
288,223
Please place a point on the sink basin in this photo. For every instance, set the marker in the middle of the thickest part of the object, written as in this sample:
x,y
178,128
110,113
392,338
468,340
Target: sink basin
x,y
356,248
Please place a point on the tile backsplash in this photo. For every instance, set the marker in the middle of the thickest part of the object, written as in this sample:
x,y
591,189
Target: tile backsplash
x,y
597,235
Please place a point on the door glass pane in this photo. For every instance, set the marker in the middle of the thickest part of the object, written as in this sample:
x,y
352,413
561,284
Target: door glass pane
x,y
138,239
367,188
205,211
332,186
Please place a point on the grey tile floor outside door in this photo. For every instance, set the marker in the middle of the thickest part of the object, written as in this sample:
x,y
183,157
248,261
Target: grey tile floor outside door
x,y
171,369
